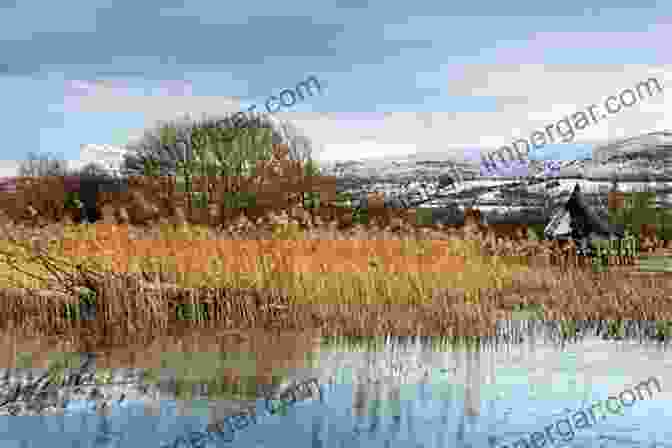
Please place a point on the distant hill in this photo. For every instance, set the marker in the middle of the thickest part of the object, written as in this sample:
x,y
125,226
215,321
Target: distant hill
x,y
647,157
539,187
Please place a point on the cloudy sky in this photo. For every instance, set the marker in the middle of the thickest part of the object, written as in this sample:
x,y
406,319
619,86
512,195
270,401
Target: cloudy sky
x,y
450,79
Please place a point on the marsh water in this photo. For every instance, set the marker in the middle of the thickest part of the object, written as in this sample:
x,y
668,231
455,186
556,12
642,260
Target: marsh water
x,y
387,392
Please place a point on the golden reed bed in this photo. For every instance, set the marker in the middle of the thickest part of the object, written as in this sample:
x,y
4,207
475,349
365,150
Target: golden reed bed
x,y
304,256
360,282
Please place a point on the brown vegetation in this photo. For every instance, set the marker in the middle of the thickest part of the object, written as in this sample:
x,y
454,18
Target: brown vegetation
x,y
282,266
343,281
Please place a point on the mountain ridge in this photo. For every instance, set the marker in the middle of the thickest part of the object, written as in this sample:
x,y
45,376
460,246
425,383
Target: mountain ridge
x,y
646,157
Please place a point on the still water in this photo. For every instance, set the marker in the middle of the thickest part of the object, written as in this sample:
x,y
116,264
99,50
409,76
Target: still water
x,y
405,392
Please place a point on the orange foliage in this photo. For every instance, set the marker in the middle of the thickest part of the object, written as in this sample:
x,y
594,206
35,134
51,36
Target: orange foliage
x,y
287,255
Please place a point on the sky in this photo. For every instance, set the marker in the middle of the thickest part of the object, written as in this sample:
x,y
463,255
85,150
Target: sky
x,y
446,79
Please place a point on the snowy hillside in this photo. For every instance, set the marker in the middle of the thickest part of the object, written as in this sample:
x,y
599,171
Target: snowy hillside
x,y
637,164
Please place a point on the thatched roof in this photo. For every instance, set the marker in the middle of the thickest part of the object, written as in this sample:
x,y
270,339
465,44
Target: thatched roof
x,y
586,221
576,219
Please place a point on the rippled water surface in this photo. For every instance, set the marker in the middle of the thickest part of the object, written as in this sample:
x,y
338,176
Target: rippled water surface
x,y
410,392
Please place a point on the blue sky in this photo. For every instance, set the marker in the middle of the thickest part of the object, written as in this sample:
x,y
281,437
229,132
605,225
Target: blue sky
x,y
452,80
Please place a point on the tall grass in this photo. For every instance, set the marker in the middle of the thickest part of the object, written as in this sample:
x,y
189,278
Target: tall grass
x,y
283,274
310,267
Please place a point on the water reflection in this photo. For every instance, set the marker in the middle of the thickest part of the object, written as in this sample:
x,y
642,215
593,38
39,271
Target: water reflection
x,y
403,391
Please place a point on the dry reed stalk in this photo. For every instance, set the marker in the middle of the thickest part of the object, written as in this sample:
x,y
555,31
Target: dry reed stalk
x,y
377,244
123,217
356,255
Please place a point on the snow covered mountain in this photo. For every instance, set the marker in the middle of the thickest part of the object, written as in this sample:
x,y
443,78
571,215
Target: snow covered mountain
x,y
637,163
654,145
108,156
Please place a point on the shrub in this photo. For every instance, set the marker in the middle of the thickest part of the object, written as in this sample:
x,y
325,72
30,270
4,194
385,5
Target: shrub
x,y
72,199
532,234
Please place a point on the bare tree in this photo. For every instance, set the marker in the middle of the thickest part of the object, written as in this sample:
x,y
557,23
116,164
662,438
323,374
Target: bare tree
x,y
42,165
153,147
171,142
300,146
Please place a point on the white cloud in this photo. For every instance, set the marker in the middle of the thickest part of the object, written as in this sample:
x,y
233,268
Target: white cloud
x,y
365,149
550,94
173,102
530,97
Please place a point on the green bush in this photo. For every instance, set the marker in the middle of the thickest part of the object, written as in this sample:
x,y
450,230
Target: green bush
x,y
360,216
192,311
529,311
344,199
532,234
536,230
639,209
239,199
87,297
72,200
627,246
199,199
